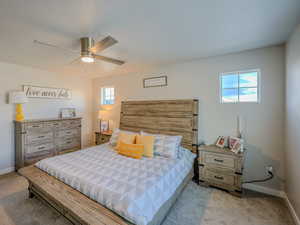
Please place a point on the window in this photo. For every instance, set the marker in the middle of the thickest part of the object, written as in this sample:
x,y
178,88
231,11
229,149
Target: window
x,y
107,95
240,86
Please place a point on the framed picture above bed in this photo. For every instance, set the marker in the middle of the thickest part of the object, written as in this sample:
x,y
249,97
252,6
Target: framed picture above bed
x,y
160,81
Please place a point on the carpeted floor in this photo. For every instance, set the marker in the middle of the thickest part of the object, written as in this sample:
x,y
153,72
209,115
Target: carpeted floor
x,y
196,206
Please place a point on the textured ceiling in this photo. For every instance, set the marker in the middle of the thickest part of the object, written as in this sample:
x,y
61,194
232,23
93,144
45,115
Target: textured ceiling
x,y
149,32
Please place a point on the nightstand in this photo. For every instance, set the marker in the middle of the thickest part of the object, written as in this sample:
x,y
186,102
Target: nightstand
x,y
102,137
221,168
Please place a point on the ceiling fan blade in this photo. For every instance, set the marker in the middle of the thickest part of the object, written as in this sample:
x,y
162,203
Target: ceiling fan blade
x,y
75,60
105,43
54,46
110,60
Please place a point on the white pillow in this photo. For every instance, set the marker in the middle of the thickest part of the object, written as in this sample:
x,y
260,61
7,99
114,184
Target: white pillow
x,y
114,137
166,145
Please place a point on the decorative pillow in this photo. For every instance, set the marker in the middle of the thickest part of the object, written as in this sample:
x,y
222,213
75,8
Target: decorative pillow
x,y
114,137
131,150
166,145
148,142
125,138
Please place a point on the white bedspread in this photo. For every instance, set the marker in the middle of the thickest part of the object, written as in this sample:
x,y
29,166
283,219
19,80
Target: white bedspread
x,y
134,189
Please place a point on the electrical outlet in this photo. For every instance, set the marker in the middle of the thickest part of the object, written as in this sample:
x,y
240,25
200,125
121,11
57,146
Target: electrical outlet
x,y
269,169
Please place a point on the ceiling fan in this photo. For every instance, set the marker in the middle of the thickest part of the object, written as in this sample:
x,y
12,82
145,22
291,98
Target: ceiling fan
x,y
89,49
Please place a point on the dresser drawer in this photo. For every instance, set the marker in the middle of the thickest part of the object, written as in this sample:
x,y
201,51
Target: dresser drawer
x,y
32,138
65,144
70,124
32,127
53,124
67,133
37,127
31,149
32,160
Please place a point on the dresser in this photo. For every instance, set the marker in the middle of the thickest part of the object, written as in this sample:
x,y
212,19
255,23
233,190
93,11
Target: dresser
x,y
221,168
39,139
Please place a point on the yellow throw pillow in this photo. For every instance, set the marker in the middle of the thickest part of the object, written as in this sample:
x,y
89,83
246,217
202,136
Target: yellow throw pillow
x,y
148,142
125,138
131,150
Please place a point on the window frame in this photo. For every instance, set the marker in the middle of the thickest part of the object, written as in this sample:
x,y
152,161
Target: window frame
x,y
102,95
238,72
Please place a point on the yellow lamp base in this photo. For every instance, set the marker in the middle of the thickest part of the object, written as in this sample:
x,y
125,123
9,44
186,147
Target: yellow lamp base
x,y
19,113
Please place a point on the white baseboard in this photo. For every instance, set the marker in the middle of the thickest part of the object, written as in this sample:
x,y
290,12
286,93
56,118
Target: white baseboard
x,y
7,170
277,193
265,190
292,210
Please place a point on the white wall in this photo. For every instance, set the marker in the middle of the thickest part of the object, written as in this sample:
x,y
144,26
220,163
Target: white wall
x,y
12,77
293,119
200,79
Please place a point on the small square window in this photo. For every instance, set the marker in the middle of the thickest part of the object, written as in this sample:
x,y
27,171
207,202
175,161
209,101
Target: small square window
x,y
107,96
239,87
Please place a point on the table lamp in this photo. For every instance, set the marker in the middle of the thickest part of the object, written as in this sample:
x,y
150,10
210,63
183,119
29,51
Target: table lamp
x,y
104,119
18,98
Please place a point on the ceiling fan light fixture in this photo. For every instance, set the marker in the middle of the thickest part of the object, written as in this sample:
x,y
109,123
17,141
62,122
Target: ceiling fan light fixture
x,y
87,59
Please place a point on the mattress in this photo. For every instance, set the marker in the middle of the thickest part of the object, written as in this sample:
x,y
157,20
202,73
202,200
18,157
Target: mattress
x,y
134,189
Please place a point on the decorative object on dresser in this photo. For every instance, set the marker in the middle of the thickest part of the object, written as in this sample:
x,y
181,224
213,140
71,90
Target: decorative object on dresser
x,y
221,168
18,98
67,112
39,139
102,137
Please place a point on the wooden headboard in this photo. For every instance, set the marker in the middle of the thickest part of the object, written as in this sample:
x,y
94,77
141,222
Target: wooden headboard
x,y
172,117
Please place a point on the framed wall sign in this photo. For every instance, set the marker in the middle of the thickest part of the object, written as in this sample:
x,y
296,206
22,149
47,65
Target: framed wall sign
x,y
155,82
47,92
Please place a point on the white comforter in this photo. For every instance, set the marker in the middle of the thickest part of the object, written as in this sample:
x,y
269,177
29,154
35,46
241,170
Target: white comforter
x,y
134,189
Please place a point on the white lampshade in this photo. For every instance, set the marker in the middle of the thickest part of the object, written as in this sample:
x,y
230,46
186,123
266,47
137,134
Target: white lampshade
x,y
17,97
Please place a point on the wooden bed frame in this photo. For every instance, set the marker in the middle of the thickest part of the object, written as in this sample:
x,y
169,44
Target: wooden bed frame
x,y
175,117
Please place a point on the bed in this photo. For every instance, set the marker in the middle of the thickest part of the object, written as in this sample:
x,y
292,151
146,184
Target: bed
x,y
98,186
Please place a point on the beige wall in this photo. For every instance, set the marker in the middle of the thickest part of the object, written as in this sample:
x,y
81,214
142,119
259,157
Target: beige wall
x,y
200,79
293,119
12,77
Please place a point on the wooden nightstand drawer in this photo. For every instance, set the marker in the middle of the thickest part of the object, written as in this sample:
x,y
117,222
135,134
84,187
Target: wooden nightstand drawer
x,y
228,181
219,177
219,160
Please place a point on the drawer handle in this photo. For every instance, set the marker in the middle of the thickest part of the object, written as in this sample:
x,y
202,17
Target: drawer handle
x,y
41,147
68,132
41,136
219,160
68,142
219,178
35,126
